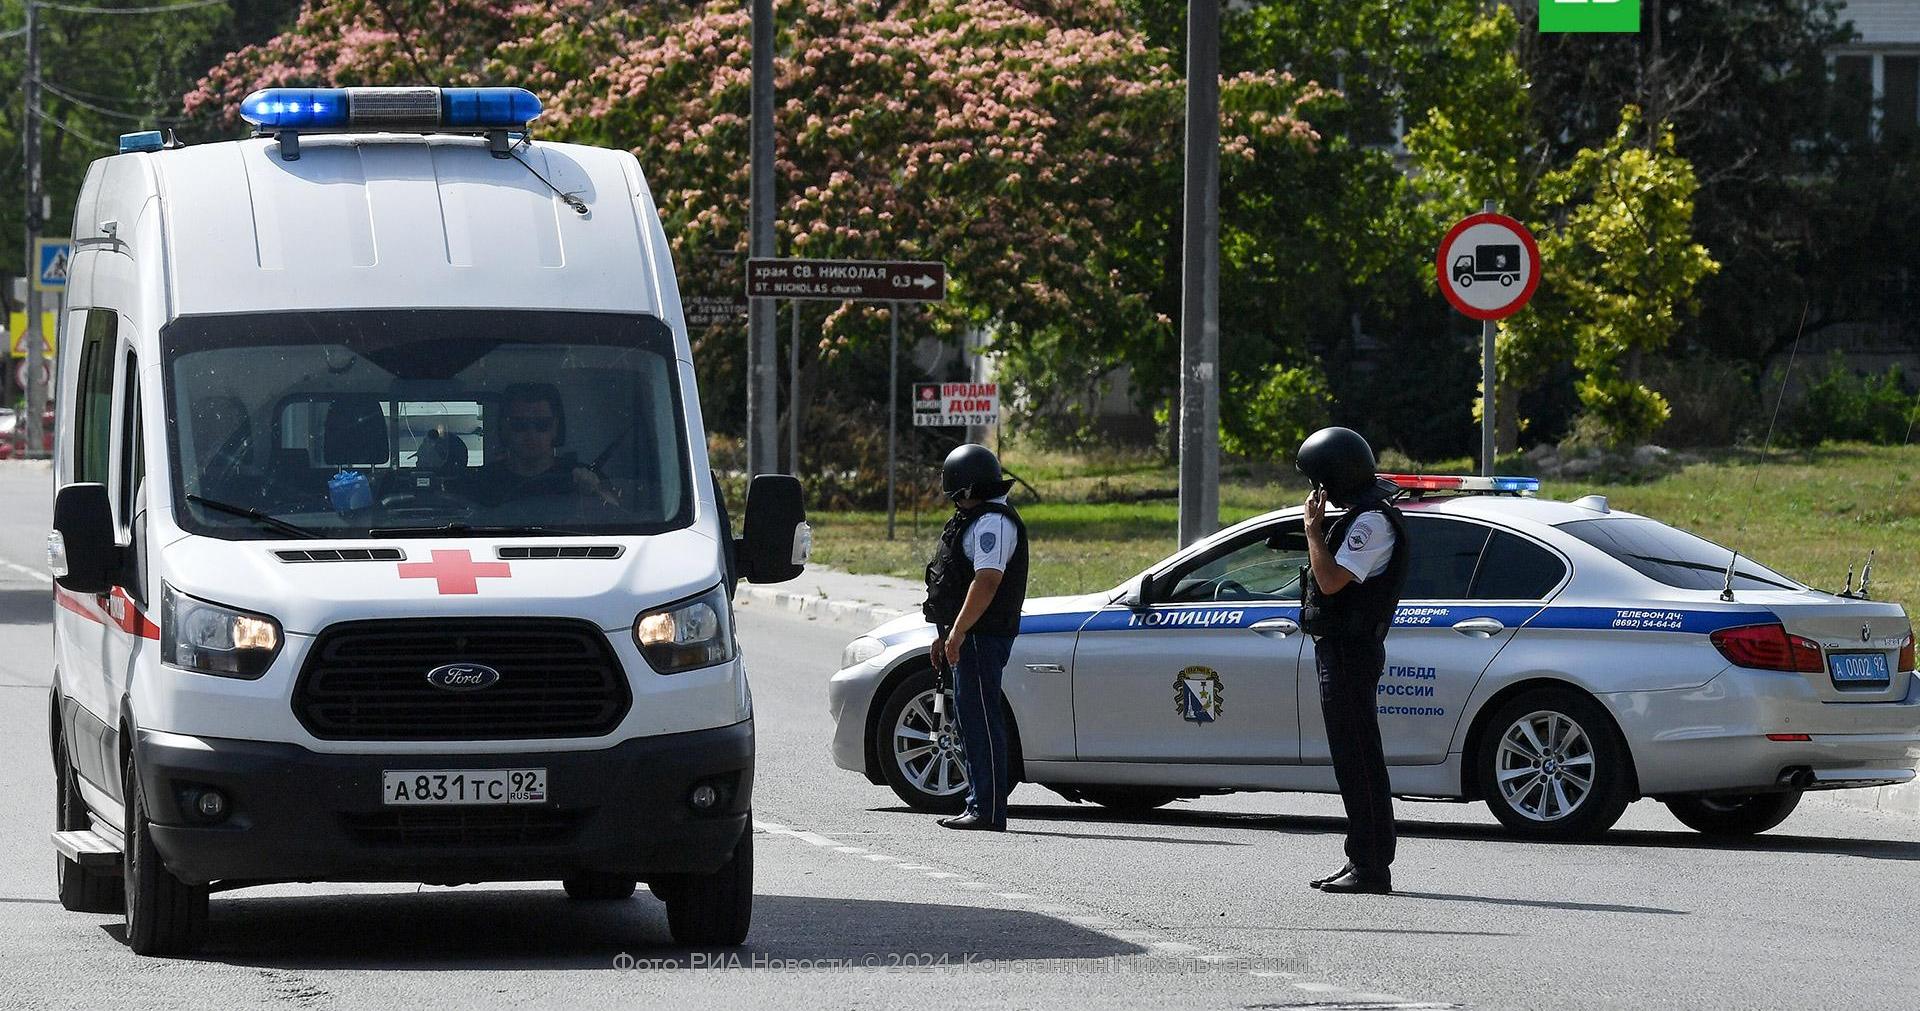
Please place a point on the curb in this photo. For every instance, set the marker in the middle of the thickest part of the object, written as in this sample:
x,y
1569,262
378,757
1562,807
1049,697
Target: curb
x,y
817,608
1901,800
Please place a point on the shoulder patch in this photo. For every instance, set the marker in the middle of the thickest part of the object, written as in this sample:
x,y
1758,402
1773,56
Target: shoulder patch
x,y
1359,534
988,539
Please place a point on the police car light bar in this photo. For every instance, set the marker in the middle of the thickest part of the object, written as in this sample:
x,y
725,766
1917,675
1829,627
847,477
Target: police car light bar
x,y
287,111
1466,485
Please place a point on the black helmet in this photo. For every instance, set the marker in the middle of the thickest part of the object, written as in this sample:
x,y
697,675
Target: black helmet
x,y
972,471
1340,461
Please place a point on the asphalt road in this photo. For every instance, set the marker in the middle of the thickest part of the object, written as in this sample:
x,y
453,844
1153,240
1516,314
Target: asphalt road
x,y
864,904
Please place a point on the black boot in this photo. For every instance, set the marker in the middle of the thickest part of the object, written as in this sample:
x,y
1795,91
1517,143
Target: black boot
x,y
1344,869
970,822
1359,882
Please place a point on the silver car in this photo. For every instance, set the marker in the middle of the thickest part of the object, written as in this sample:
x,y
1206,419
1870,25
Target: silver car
x,y
1557,660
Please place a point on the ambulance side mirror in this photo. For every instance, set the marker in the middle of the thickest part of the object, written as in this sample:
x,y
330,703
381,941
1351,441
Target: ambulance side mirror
x,y
84,555
777,540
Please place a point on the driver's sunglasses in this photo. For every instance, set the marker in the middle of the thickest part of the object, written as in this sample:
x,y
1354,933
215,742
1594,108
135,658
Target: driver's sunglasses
x,y
529,424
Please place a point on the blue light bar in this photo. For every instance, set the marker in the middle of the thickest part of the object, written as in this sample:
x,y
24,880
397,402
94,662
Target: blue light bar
x,y
496,108
146,140
294,109
1523,485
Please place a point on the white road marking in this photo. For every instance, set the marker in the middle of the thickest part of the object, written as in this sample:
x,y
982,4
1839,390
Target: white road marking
x,y
40,574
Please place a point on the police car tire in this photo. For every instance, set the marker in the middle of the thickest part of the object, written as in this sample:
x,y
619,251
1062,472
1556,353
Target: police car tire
x,y
1612,786
1734,816
1128,799
81,890
904,691
599,887
165,916
714,909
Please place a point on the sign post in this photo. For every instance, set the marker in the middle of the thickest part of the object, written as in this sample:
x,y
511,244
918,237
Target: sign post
x,y
889,281
1489,268
52,260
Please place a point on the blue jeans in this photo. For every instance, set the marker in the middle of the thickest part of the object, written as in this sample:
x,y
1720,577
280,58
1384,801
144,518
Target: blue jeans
x,y
983,723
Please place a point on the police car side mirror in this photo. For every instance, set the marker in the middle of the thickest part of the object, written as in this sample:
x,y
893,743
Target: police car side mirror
x,y
1139,595
777,540
82,550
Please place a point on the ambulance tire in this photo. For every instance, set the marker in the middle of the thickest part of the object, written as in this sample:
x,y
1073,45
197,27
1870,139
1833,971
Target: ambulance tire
x,y
713,910
81,890
165,916
1733,817
1611,788
599,887
1128,799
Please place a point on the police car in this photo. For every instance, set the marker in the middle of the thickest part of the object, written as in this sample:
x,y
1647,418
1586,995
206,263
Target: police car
x,y
1556,660
385,541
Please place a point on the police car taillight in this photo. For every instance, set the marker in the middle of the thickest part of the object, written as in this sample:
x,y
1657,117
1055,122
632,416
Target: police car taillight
x,y
274,109
1465,484
1769,647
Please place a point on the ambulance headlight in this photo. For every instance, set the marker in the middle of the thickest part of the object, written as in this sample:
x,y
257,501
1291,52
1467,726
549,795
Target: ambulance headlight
x,y
861,650
209,639
692,633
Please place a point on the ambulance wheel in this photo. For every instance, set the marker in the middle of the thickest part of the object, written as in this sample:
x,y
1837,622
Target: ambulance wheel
x,y
598,887
1750,814
921,754
706,910
165,916
81,890
1551,766
1128,799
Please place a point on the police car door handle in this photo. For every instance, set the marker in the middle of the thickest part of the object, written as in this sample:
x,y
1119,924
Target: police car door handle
x,y
1482,628
1045,668
1278,628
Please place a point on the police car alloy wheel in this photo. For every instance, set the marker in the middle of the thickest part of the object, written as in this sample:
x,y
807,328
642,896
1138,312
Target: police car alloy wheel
x,y
920,753
1551,766
81,890
165,916
1743,815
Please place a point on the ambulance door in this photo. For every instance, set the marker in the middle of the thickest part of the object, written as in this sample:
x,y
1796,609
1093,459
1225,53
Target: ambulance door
x,y
1204,671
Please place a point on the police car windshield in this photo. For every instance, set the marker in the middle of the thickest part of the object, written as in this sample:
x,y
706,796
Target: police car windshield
x,y
1673,556
425,423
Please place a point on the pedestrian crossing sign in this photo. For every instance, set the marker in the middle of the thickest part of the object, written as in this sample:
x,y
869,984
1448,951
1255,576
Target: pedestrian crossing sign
x,y
54,258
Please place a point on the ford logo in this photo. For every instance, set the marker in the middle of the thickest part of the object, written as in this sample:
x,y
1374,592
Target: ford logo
x,y
463,677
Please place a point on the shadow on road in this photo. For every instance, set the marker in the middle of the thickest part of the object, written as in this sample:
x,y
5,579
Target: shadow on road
x,y
1308,824
26,607
1578,907
544,930
1129,838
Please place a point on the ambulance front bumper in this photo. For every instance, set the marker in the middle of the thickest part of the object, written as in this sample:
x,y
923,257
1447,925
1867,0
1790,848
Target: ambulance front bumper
x,y
299,815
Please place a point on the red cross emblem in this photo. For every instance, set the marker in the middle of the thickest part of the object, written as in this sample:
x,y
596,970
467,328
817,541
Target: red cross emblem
x,y
455,571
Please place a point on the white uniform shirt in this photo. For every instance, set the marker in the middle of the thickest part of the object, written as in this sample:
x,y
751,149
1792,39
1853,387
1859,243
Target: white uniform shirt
x,y
990,540
1368,547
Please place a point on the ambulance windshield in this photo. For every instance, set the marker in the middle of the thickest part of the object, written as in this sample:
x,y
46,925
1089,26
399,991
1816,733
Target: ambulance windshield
x,y
425,423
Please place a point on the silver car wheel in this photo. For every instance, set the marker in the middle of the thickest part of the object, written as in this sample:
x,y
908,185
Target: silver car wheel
x,y
927,748
1545,766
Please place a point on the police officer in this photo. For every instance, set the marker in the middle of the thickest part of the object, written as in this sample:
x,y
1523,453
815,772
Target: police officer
x,y
976,585
1357,566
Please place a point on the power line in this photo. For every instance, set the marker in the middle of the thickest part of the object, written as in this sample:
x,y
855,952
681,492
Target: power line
x,y
167,9
100,109
70,131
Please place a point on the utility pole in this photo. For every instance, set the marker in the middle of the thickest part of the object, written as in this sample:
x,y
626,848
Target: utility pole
x,y
763,369
36,347
1200,281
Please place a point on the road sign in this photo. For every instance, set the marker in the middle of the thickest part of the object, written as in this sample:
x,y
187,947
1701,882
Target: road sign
x,y
17,333
707,310
53,257
848,280
1489,266
46,374
955,404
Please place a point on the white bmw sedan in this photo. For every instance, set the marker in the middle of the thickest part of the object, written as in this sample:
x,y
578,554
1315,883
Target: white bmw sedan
x,y
1556,660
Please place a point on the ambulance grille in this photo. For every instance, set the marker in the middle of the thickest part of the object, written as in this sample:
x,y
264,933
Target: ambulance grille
x,y
367,681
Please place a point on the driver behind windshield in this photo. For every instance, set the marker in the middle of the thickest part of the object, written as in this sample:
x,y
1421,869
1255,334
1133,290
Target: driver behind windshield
x,y
536,425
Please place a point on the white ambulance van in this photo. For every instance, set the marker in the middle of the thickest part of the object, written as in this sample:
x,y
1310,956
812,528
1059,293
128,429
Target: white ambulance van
x,y
385,542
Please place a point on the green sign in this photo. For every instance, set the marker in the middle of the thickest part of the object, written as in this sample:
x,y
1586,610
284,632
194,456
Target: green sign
x,y
1590,15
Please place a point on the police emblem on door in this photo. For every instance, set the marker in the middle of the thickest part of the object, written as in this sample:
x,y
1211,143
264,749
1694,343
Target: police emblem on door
x,y
1198,695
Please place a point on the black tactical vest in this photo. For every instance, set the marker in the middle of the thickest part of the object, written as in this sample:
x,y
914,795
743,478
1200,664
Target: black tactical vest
x,y
1362,609
950,575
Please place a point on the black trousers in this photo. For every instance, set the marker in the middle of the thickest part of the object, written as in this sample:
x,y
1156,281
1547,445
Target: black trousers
x,y
1350,672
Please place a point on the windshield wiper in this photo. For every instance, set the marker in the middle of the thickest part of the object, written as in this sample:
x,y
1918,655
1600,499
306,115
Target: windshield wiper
x,y
459,529
257,516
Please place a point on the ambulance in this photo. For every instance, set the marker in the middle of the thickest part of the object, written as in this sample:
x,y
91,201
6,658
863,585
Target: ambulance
x,y
385,542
